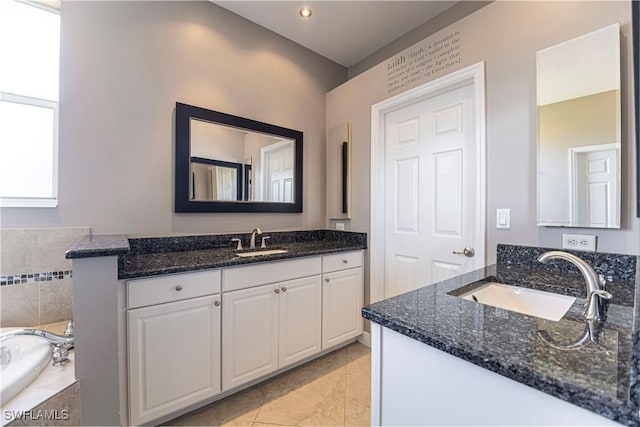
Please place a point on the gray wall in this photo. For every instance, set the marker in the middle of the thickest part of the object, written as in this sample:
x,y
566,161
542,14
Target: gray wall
x,y
123,67
506,35
437,23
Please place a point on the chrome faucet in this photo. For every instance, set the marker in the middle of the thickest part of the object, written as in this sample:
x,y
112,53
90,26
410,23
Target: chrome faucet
x,y
252,243
595,283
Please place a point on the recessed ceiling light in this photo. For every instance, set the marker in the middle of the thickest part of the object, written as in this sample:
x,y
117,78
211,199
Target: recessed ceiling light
x,y
305,12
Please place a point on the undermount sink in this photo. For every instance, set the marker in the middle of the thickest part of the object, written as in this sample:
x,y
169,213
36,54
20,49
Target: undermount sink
x,y
532,302
262,253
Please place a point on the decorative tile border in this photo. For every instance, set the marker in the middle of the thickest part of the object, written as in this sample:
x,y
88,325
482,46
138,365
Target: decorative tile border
x,y
19,279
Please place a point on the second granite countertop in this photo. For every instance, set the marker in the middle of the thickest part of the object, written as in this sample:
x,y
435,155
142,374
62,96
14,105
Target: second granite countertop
x,y
601,379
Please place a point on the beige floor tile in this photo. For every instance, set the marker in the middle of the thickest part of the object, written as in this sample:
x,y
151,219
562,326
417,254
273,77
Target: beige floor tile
x,y
356,351
237,410
332,363
333,390
319,402
358,398
358,360
270,425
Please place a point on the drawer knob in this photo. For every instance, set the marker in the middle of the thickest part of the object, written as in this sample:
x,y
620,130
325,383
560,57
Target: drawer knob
x,y
277,291
216,303
327,280
344,261
179,288
284,289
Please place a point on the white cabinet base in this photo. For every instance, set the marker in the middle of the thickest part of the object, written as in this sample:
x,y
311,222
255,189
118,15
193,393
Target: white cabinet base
x,y
174,355
415,384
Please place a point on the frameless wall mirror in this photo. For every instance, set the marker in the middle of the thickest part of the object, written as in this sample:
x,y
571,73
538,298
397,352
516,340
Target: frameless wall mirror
x,y
227,163
578,102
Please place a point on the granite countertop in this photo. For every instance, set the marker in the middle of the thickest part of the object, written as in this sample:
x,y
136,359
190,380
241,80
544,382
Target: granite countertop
x,y
602,380
163,255
99,245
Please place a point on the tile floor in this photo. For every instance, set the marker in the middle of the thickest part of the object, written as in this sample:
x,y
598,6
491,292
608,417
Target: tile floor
x,y
334,390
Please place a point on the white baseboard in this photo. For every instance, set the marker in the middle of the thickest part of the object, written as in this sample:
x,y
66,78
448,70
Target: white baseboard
x,y
365,339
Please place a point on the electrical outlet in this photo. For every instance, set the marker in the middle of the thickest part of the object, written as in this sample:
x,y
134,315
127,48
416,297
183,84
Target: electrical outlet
x,y
340,226
579,242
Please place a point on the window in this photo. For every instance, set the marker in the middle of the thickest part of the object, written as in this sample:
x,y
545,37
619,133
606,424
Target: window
x,y
29,82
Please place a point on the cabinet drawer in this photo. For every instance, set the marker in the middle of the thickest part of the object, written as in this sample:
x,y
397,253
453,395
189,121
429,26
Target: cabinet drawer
x,y
269,272
341,261
172,287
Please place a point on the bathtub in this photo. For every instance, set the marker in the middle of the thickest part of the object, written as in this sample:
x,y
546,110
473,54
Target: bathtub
x,y
30,375
23,359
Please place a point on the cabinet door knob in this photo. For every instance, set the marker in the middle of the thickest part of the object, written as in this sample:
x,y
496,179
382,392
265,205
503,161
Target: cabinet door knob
x,y
216,303
179,288
327,280
344,261
277,291
284,289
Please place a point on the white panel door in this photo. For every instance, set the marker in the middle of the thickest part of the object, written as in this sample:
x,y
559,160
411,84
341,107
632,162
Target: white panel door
x,y
300,319
279,161
596,187
250,334
430,190
342,298
165,373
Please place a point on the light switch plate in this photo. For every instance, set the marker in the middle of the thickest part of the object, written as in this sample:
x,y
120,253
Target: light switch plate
x,y
503,219
340,226
579,242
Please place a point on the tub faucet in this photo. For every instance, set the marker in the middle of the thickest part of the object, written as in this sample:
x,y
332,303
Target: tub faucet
x,y
61,343
595,283
53,339
252,243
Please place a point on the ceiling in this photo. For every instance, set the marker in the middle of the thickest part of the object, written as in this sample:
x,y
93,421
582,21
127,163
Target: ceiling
x,y
343,31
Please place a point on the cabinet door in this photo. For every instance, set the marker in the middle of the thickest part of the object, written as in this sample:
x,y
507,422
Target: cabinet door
x,y
341,304
300,319
250,334
174,356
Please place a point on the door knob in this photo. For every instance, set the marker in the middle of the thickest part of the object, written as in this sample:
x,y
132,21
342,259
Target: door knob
x,y
469,252
276,290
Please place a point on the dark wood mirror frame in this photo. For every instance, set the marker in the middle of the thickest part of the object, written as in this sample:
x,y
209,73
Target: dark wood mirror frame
x,y
635,11
183,201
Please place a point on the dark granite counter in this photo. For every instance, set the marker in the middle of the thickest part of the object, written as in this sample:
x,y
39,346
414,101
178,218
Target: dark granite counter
x,y
162,255
602,379
99,245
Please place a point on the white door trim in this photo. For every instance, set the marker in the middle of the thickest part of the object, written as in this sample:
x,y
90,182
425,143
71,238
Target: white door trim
x,y
473,74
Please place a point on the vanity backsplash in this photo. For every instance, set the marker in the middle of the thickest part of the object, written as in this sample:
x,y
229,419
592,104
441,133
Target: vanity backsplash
x,y
518,265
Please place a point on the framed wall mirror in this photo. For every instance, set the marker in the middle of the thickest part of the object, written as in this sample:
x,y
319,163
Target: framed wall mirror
x,y
579,131
226,163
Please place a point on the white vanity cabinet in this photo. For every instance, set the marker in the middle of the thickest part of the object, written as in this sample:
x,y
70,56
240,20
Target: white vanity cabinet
x,y
342,297
192,336
267,327
173,343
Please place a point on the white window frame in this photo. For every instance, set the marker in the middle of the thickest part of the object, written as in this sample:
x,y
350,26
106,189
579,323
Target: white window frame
x,y
36,202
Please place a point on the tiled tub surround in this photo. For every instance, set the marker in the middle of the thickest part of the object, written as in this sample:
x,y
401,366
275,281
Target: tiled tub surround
x,y
35,278
602,380
162,255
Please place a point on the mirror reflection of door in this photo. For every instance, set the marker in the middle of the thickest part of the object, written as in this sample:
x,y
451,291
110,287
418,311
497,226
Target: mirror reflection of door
x,y
223,183
277,178
594,184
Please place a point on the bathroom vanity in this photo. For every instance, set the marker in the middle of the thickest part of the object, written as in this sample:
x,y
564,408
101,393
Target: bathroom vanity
x,y
195,322
439,359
